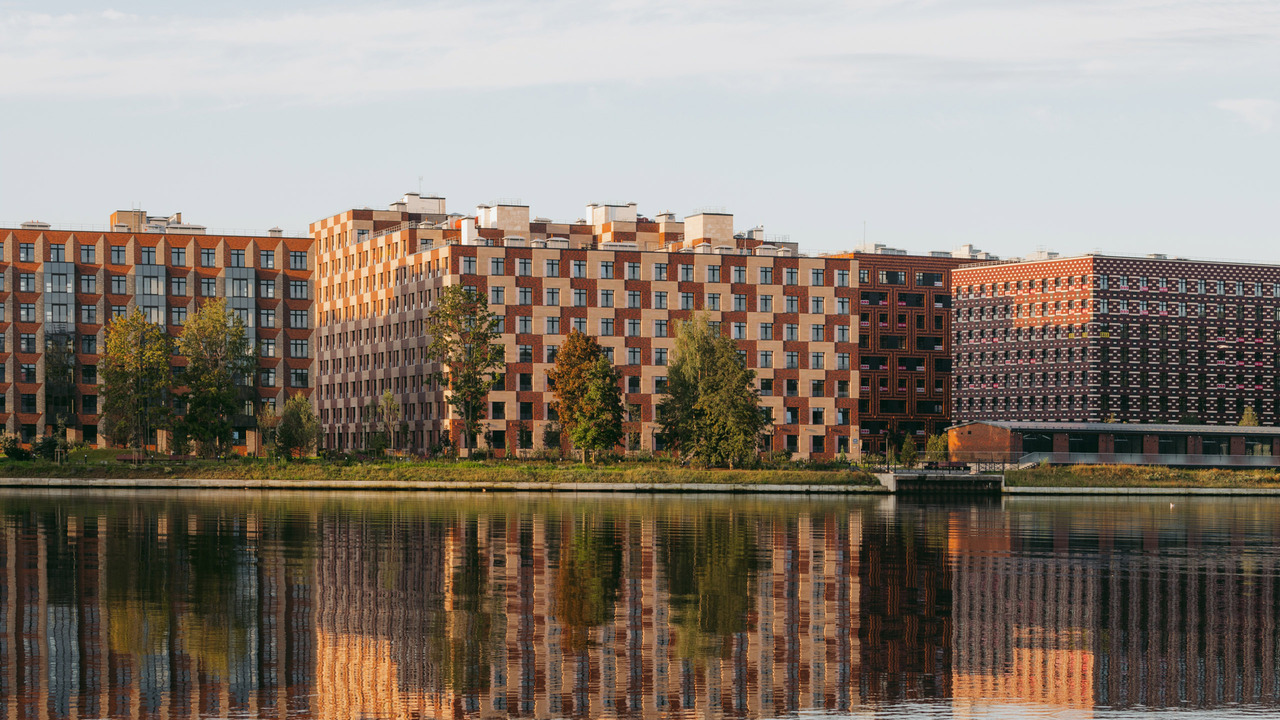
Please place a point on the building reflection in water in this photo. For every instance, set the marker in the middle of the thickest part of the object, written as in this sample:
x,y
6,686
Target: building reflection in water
x,y
510,607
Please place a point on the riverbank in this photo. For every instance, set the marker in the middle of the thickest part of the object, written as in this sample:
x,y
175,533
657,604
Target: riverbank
x,y
427,475
1097,477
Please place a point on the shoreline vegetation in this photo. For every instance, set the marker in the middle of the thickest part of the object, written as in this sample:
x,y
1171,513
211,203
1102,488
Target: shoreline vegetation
x,y
103,464
1141,476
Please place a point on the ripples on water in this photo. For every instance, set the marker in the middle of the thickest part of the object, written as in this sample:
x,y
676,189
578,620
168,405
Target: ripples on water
x,y
497,606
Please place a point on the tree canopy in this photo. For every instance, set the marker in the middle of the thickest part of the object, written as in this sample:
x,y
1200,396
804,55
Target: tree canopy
x,y
298,429
220,360
712,410
136,379
464,340
588,394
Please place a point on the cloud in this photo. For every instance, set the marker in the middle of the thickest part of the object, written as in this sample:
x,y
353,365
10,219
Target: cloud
x,y
1258,113
321,54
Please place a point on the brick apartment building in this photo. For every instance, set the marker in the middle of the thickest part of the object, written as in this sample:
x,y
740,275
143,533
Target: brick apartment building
x,y
1130,339
616,275
64,285
904,343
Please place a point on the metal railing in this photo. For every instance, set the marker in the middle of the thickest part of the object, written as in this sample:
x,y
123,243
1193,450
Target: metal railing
x,y
1167,459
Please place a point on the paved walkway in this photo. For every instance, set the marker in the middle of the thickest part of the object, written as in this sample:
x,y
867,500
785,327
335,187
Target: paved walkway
x,y
452,486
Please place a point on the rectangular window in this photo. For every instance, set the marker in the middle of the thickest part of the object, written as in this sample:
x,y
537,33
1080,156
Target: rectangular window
x,y
817,306
208,257
57,253
553,296
178,315
58,312
468,266
88,254
266,318
713,301
239,287
299,319
208,287
842,278
686,273
27,342
792,304
553,326
606,270
659,328
267,288
237,258
89,314
816,361
791,332
766,358
660,300
633,271
524,324
298,377
267,259
633,298
739,302
660,356
497,266
299,348
298,261
766,276
27,312
579,268
606,298
579,297
119,311
553,268
524,267
766,331
633,327
817,333
817,276
606,327
26,282
497,295
713,273
793,360
580,324
686,301
739,274
89,344
148,256
792,276
267,377
267,347
766,303
525,295
660,271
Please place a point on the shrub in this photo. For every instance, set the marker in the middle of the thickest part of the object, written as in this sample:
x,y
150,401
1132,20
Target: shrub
x,y
12,447
45,448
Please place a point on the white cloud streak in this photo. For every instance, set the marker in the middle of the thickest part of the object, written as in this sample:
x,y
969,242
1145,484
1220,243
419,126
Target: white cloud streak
x,y
331,55
1258,113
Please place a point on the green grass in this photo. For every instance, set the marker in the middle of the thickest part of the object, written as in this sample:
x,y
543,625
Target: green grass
x,y
1140,476
102,464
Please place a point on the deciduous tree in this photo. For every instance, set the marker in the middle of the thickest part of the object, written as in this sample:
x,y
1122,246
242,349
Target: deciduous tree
x,y
712,408
136,379
298,430
464,341
220,360
1249,418
598,425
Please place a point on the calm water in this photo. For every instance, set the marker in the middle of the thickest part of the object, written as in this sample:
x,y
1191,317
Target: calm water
x,y
495,606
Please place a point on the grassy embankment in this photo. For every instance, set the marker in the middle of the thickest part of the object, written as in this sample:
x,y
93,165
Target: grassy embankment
x,y
103,464
1140,476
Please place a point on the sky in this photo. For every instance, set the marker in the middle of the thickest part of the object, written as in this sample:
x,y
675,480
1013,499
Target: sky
x,y
1126,126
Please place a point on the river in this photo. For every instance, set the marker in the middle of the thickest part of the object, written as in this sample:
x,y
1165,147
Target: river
x,y
394,605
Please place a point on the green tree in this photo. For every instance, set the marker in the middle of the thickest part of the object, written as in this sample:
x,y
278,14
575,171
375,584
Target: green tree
x,y
937,449
388,413
298,430
908,456
1249,418
598,424
220,360
711,411
136,379
464,341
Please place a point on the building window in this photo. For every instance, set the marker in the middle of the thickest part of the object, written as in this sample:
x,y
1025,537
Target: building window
x,y
606,327
817,333
266,318
298,261
299,348
660,271
299,319
713,273
524,267
497,295
606,298
633,327
686,301
816,361
26,282
766,358
89,374
817,276
606,270
660,300
89,344
713,301
88,284
208,287
579,268
57,253
766,331
119,311
633,271
267,288
553,268
148,256
633,356
739,302
792,276
739,331
88,254
179,315
267,347
791,332
579,297
793,360
842,278
633,298
267,377
553,326
267,259
239,287
468,266
659,328
525,295
27,312
817,305
525,353
298,377
792,304
660,356
89,314
553,296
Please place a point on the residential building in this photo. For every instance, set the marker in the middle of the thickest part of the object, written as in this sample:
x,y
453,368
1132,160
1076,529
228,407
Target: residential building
x,y
1120,339
904,345
63,286
625,279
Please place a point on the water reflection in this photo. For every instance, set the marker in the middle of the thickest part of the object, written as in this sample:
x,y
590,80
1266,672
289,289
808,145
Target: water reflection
x,y
408,606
